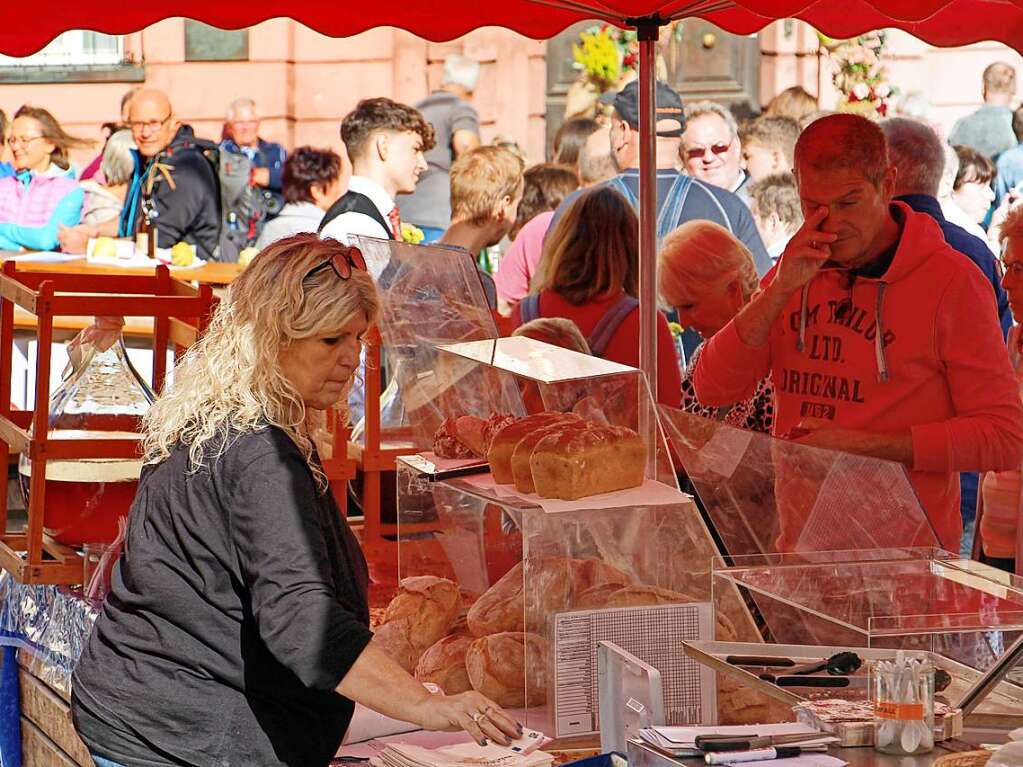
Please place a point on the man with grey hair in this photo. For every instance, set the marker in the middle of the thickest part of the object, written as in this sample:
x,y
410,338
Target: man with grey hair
x,y
241,135
920,161
710,148
456,126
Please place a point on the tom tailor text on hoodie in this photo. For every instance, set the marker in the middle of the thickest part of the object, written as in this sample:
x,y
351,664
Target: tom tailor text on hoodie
x,y
916,348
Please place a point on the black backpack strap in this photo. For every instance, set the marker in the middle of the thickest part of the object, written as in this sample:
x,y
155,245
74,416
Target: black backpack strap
x,y
529,308
355,202
604,330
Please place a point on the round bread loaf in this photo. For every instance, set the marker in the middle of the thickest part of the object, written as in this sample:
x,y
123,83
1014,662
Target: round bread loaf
x,y
444,664
393,639
510,668
423,611
555,583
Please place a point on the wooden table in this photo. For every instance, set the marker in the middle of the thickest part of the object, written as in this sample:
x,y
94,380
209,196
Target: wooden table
x,y
209,273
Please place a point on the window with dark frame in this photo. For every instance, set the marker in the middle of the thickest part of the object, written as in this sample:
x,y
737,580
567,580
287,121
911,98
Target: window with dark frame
x,y
206,43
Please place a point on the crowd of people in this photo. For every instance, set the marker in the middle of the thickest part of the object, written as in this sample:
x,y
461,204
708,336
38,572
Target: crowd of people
x,y
828,295
730,203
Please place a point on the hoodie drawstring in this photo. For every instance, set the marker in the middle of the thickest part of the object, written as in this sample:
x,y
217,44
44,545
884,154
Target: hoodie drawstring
x,y
801,343
882,362
879,355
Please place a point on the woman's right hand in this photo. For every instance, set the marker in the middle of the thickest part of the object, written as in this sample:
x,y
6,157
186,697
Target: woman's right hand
x,y
805,253
476,714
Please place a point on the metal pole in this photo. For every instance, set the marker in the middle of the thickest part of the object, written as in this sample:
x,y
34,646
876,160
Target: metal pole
x,y
648,33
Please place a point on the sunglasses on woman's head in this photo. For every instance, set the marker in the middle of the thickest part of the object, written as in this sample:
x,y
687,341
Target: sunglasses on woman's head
x,y
341,263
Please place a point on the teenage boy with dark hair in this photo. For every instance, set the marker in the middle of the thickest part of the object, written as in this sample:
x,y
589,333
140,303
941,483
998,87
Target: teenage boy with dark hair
x,y
385,141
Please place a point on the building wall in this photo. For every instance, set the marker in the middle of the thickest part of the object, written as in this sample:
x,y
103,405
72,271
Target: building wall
x,y
947,79
304,82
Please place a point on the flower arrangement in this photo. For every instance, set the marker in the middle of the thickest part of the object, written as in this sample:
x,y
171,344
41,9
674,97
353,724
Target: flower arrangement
x,y
605,54
413,235
859,75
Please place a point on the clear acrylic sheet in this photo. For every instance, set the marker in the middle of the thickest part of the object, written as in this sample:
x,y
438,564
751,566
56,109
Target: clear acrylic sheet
x,y
766,495
431,296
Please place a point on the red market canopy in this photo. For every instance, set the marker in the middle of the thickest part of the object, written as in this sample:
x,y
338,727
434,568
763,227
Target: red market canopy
x,y
940,22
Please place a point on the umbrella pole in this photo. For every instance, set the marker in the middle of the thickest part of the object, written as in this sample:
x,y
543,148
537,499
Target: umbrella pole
x,y
648,34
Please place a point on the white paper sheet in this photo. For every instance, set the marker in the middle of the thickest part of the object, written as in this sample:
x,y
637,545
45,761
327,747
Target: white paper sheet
x,y
650,493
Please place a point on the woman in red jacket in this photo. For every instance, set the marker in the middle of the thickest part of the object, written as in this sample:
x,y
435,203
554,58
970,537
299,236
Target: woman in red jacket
x,y
589,274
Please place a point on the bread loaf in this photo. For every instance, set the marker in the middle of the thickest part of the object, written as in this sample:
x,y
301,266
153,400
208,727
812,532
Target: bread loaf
x,y
505,440
444,664
509,668
522,472
611,595
573,464
395,640
555,583
500,607
423,611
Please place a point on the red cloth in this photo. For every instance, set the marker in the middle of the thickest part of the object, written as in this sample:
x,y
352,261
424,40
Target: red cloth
x,y
624,345
941,22
950,382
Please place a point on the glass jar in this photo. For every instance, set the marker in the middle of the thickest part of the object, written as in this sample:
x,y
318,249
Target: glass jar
x,y
101,396
903,697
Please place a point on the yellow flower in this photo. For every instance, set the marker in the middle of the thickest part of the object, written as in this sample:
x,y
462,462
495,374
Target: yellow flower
x,y
676,329
598,57
413,235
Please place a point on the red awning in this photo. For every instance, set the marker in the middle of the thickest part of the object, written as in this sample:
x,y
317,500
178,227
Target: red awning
x,y
940,22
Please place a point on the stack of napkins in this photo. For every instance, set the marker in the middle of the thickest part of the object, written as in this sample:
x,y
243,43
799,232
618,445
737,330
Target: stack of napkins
x,y
460,755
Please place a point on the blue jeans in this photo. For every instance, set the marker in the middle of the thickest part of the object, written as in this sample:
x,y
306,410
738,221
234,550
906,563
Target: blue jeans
x,y
101,762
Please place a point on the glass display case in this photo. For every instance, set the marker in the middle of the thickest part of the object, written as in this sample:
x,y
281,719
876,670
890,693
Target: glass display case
x,y
765,495
922,600
543,579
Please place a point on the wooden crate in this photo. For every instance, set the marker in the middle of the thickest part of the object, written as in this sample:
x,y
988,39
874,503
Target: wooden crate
x,y
180,313
48,737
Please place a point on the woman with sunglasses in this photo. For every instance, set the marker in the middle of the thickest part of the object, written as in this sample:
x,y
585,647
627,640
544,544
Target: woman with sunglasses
x,y
43,194
236,629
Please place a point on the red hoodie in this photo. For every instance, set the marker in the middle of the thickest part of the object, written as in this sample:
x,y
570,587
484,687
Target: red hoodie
x,y
942,370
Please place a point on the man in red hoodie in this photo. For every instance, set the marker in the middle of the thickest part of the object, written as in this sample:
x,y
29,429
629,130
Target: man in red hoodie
x,y
871,328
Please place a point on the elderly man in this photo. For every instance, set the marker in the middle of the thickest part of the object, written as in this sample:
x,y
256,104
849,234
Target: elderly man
x,y
682,197
267,158
883,340
989,129
457,128
174,185
711,150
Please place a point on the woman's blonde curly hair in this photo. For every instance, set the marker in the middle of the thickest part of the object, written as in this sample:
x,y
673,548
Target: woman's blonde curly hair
x,y
231,378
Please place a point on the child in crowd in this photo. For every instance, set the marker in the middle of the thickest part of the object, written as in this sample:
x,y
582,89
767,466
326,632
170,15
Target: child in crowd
x,y
768,144
486,188
774,203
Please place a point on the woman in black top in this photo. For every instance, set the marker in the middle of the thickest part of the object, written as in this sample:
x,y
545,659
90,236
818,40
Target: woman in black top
x,y
236,631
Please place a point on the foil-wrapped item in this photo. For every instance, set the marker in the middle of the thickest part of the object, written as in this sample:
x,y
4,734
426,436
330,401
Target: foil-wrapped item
x,y
50,622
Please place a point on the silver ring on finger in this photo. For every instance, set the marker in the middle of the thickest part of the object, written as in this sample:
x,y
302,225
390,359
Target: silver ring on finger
x,y
478,717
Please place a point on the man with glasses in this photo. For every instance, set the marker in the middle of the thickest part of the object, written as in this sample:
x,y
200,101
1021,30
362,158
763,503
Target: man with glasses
x,y
173,183
680,198
882,340
267,157
710,148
